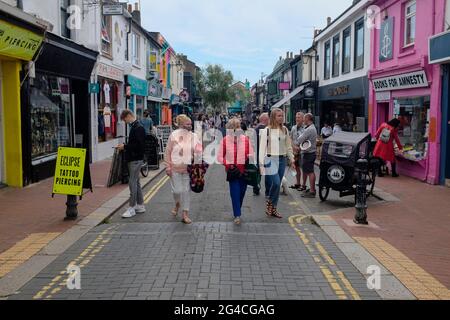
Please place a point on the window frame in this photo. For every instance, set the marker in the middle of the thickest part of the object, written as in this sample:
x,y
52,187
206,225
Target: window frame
x,y
359,25
335,70
347,31
108,26
407,17
136,49
63,24
327,61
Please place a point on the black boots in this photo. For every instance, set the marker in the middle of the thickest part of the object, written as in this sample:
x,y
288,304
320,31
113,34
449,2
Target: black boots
x,y
394,170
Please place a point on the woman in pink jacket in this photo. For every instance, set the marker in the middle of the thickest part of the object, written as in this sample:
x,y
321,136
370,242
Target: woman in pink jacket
x,y
235,149
182,145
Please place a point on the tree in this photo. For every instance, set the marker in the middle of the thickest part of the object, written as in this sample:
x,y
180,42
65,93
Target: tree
x,y
213,83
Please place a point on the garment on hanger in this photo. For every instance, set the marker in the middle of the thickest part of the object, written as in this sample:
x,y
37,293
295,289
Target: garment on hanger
x,y
107,90
107,116
113,125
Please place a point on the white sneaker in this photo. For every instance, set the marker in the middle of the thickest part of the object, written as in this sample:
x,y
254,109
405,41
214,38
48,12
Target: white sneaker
x,y
130,213
139,209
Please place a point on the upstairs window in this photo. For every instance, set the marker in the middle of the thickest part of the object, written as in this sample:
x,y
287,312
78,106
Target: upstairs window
x,y
106,35
346,51
327,61
336,55
410,23
136,49
359,44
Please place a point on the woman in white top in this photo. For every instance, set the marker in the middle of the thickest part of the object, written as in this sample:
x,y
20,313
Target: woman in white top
x,y
274,153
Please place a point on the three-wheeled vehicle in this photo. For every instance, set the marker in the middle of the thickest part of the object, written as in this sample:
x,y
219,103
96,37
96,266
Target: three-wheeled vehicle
x,y
340,155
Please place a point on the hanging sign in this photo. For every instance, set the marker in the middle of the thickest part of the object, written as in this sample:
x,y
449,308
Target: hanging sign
x,y
69,172
113,9
17,42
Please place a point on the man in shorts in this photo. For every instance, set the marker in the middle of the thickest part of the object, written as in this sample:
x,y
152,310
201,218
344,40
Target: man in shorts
x,y
308,144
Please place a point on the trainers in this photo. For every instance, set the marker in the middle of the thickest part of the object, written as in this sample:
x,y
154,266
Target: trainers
x,y
130,213
139,209
237,221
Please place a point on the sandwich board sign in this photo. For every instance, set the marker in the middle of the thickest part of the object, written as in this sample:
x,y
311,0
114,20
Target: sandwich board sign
x,y
71,172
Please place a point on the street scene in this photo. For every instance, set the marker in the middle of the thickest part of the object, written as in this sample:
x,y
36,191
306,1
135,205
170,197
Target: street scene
x,y
147,160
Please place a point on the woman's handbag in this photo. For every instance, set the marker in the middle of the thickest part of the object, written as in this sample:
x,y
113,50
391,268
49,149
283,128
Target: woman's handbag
x,y
233,172
197,174
251,173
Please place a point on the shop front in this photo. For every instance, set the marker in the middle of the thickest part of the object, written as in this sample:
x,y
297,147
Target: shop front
x,y
410,98
154,101
166,111
20,42
137,98
440,55
109,103
55,106
345,103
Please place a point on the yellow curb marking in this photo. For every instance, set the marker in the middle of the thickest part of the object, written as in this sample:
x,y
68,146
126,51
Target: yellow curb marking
x,y
324,261
422,284
153,191
82,260
23,251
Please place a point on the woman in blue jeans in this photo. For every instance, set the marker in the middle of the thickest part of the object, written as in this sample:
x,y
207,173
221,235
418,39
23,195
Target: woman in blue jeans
x,y
235,149
275,154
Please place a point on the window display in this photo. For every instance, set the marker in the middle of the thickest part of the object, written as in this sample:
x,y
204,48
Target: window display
x,y
414,115
51,118
108,110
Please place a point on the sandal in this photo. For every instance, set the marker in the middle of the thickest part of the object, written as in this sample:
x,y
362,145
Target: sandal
x,y
269,208
302,188
276,214
295,186
175,210
186,219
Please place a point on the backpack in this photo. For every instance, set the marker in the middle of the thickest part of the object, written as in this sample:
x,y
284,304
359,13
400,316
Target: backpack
x,y
385,136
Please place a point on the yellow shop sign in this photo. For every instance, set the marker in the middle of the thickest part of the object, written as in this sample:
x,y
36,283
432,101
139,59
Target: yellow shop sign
x,y
69,171
17,42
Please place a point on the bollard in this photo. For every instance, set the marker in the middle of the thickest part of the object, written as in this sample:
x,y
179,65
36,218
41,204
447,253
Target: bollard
x,y
72,208
361,192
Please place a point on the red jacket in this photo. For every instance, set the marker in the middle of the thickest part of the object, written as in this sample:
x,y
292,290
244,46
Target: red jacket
x,y
227,156
383,150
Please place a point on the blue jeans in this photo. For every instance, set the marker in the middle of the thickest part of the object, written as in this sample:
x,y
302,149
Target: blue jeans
x,y
273,182
237,191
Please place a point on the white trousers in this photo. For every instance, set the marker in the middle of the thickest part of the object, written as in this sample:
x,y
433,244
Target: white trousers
x,y
181,190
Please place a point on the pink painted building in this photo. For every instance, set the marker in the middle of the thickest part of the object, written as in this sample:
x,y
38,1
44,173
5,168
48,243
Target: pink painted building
x,y
404,85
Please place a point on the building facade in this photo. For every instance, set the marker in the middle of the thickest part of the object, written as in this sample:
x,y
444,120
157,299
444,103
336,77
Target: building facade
x,y
404,85
344,51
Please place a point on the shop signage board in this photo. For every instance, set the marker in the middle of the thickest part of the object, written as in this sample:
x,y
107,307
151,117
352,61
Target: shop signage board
x,y
439,48
139,87
69,172
387,39
113,9
339,91
410,80
94,88
110,72
17,42
383,96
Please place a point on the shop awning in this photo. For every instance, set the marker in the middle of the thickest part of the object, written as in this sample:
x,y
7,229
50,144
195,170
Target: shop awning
x,y
288,97
66,58
150,98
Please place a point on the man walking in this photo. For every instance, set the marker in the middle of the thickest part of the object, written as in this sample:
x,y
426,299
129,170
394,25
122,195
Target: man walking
x,y
134,155
308,145
296,132
263,123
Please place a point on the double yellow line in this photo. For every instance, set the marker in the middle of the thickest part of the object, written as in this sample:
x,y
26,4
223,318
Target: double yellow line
x,y
154,190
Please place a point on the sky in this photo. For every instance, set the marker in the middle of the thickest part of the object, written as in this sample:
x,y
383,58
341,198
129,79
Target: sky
x,y
245,37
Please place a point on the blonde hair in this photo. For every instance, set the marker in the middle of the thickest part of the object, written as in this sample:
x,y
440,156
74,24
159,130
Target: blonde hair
x,y
181,119
273,119
234,124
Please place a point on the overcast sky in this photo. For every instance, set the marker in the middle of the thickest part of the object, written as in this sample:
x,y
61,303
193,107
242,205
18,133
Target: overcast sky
x,y
245,36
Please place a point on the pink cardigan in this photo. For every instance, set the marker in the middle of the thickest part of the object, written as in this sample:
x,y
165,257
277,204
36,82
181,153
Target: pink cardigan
x,y
228,145
181,141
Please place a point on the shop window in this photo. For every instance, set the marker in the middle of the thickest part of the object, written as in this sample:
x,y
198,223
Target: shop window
x,y
65,31
336,55
346,50
108,109
107,35
359,44
135,49
414,115
410,23
327,61
139,107
51,117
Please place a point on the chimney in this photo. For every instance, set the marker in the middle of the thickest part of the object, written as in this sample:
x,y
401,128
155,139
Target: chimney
x,y
301,52
328,21
136,13
287,55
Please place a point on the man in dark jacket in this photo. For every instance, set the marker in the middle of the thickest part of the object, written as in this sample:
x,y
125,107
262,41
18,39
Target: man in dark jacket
x,y
134,155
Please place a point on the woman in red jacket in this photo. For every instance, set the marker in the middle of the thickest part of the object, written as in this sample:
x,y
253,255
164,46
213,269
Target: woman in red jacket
x,y
235,149
384,149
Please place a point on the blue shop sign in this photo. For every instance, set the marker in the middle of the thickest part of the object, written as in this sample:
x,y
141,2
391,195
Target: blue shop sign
x,y
440,48
139,87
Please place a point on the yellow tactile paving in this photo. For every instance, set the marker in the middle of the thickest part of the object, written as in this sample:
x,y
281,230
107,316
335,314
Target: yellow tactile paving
x,y
422,284
24,250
